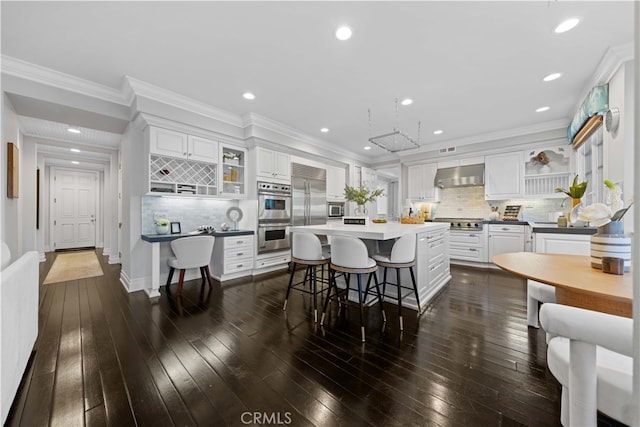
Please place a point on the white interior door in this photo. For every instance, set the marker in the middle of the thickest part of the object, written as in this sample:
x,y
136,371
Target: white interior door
x,y
74,201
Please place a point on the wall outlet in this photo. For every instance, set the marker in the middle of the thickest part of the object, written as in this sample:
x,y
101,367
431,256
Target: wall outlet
x,y
158,215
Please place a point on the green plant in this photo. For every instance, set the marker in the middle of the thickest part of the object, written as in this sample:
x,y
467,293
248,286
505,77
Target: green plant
x,y
576,191
162,221
362,194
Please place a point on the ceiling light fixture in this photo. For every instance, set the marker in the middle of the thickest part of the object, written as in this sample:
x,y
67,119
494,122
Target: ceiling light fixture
x,y
75,163
248,95
73,130
567,25
367,147
552,77
396,140
343,33
75,150
324,130
406,101
541,109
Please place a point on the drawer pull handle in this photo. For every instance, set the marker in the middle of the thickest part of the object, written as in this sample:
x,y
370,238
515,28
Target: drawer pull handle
x,y
473,249
505,229
239,265
239,242
239,254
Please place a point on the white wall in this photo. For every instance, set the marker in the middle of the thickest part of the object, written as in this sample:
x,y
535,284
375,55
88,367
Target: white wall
x,y
11,208
618,146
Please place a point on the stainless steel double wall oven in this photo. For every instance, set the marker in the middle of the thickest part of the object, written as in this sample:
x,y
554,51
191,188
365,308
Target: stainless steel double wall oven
x,y
274,216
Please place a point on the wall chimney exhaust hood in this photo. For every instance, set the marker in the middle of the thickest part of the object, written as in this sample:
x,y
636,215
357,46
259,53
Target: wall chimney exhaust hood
x,y
460,176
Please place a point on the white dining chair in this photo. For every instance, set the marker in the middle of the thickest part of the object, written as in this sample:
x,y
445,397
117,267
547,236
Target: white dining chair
x,y
591,355
191,252
537,293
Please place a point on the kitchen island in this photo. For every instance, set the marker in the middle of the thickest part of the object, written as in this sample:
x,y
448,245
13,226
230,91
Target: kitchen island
x,y
432,253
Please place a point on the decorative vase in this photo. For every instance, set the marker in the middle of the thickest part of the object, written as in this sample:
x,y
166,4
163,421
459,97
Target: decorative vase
x,y
162,229
610,241
360,210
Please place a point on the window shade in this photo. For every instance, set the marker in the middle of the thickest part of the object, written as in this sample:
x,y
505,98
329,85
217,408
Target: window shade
x,y
597,102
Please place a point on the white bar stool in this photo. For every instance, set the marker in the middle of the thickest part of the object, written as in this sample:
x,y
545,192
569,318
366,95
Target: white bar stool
x,y
191,252
403,255
307,250
349,255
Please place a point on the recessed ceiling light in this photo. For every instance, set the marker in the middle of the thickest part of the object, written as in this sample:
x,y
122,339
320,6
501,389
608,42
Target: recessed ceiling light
x,y
73,130
406,101
248,95
367,147
541,109
552,76
437,132
343,33
567,25
75,163
75,150
324,130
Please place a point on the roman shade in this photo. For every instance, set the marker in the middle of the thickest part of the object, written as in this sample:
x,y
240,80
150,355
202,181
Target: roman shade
x,y
589,115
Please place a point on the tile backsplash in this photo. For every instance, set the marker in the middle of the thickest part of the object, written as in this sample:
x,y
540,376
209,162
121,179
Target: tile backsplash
x,y
469,202
189,212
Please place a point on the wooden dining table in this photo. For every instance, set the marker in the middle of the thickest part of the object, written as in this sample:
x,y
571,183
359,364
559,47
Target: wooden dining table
x,y
577,283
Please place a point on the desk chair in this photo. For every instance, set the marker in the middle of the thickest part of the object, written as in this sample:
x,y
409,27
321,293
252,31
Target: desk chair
x,y
191,252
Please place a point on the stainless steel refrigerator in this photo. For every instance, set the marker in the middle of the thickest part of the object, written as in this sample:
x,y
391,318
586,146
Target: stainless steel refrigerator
x,y
309,195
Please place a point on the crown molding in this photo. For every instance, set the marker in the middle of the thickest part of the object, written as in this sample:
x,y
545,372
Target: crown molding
x,y
554,125
253,119
133,87
15,67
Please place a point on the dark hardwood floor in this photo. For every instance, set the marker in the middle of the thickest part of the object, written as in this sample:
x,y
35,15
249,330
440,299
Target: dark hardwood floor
x,y
231,356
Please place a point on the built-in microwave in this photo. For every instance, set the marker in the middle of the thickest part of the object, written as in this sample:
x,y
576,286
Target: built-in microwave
x,y
335,209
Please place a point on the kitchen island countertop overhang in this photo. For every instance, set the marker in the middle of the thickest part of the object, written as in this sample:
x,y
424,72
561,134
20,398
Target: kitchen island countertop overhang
x,y
385,231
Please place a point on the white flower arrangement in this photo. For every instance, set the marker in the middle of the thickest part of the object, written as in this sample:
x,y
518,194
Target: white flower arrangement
x,y
599,214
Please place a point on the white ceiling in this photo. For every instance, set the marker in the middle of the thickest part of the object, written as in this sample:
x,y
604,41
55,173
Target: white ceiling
x,y
471,67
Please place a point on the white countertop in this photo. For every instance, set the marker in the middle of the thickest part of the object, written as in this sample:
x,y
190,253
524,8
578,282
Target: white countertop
x,y
389,230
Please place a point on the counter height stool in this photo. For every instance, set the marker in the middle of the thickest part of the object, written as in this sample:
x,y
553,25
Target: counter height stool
x,y
403,255
307,250
349,255
191,252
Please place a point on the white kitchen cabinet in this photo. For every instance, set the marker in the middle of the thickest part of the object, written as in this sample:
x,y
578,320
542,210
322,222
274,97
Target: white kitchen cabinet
x,y
506,238
369,178
432,262
233,257
182,164
561,243
166,142
233,171
336,181
504,176
420,185
273,165
468,246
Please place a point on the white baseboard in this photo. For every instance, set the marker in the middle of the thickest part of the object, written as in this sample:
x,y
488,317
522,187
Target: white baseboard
x,y
114,259
42,256
106,251
132,285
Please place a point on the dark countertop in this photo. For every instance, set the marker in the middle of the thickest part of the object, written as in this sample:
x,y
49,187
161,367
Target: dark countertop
x,y
153,238
541,227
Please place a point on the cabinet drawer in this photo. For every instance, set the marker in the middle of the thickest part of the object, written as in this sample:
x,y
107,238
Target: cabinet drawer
x,y
506,228
467,253
231,266
437,269
238,242
273,260
468,238
435,246
238,253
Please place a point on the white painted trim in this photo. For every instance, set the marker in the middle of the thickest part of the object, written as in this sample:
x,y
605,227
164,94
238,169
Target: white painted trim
x,y
16,67
114,259
42,256
106,251
143,120
611,61
134,87
133,285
